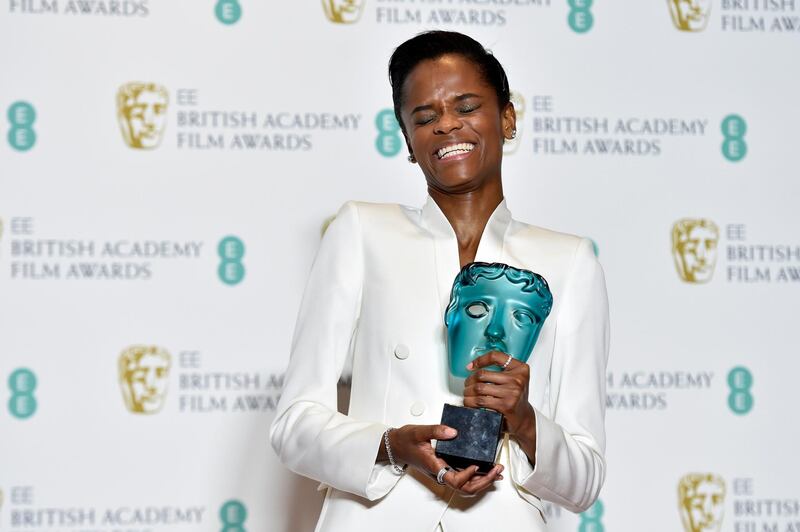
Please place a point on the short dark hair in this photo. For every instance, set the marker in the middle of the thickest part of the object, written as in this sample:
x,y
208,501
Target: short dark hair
x,y
434,44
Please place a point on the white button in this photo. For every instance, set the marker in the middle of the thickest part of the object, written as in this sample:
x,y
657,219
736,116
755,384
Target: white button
x,y
418,408
401,351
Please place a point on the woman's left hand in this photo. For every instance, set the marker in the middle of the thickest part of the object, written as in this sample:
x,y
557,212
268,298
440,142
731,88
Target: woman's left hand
x,y
505,391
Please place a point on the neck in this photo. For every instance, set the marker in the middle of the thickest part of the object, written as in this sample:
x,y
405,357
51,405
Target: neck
x,y
468,213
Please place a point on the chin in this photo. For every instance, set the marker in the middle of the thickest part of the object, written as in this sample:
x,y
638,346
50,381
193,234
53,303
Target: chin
x,y
456,183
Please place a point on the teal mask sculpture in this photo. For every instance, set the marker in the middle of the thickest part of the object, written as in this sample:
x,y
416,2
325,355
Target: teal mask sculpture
x,y
494,307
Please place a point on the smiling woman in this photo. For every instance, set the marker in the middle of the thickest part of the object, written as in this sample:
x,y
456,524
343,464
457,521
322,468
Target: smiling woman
x,y
375,305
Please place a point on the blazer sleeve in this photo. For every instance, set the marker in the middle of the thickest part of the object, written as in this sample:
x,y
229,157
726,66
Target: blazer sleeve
x,y
309,435
569,464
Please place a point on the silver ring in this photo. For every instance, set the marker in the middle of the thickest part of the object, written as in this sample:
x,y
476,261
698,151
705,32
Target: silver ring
x,y
507,362
441,473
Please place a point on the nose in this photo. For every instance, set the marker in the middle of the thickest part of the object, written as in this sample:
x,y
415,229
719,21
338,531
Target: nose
x,y
702,251
708,509
495,330
448,122
149,114
150,379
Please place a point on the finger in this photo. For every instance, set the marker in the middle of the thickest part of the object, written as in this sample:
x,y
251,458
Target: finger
x,y
498,404
492,358
492,390
456,479
479,483
436,432
494,377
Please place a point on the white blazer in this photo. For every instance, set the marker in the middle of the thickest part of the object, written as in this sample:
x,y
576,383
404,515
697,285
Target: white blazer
x,y
374,308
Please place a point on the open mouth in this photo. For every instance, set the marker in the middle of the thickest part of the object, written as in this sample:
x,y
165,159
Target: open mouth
x,y
454,149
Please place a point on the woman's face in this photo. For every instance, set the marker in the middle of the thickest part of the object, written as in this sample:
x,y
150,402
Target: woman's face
x,y
454,126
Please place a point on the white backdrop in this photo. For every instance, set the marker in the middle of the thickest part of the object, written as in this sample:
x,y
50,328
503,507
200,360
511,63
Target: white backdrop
x,y
263,118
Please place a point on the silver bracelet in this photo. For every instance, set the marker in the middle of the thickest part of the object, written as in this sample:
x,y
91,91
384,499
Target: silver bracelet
x,y
397,469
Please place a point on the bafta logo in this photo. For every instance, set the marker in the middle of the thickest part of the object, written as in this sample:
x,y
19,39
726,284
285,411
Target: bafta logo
x,y
343,11
511,145
143,377
694,248
690,15
142,114
700,501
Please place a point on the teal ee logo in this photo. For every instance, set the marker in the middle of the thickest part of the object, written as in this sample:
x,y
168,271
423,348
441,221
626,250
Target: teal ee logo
x,y
21,136
22,383
228,11
388,142
231,251
740,400
233,514
734,148
591,518
580,19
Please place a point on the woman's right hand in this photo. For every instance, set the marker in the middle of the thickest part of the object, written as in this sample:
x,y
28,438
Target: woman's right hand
x,y
411,444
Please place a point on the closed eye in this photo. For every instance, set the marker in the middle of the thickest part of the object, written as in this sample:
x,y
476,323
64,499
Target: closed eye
x,y
421,120
468,108
477,309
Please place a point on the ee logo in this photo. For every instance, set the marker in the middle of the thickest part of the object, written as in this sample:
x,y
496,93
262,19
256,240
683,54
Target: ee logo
x,y
21,136
590,519
228,11
233,515
231,251
740,400
580,19
734,148
388,142
22,383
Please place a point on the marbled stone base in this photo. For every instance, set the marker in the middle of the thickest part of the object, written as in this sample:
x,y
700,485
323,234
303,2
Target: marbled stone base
x,y
479,432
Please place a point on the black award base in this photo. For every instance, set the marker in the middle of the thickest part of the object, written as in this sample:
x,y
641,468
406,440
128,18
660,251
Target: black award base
x,y
478,435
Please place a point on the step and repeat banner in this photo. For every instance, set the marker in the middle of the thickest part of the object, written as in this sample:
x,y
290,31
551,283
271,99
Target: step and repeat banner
x,y
167,169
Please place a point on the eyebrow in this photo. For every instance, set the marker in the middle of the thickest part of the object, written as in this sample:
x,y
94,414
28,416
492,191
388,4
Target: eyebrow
x,y
459,98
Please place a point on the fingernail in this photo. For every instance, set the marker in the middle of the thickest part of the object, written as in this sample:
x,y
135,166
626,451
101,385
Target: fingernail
x,y
469,366
499,477
450,432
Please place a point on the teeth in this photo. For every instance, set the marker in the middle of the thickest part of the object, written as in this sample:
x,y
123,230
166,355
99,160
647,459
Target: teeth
x,y
455,149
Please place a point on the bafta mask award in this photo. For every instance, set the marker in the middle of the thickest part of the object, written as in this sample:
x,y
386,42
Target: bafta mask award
x,y
493,307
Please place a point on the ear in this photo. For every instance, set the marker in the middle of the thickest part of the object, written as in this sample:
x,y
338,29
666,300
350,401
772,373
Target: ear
x,y
508,117
408,144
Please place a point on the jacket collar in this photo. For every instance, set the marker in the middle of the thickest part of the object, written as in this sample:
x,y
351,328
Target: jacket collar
x,y
490,248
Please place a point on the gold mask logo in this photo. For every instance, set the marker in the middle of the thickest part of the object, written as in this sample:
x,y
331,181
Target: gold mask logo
x,y
690,15
701,498
142,114
343,11
143,378
694,248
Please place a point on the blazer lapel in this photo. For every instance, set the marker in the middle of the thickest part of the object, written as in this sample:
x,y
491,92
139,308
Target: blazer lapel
x,y
490,248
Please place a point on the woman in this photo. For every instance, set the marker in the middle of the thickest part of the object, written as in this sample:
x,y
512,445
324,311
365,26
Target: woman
x,y
375,303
